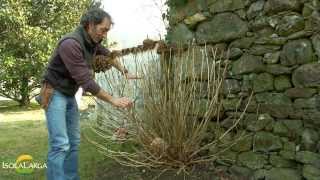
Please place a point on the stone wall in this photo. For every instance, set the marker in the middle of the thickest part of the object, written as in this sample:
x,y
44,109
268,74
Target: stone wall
x,y
275,52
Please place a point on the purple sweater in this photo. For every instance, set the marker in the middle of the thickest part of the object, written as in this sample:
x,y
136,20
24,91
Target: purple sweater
x,y
68,64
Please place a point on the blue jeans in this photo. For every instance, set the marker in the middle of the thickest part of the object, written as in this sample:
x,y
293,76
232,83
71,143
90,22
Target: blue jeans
x,y
64,137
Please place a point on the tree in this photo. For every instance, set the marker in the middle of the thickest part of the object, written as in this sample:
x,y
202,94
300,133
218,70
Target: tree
x,y
29,31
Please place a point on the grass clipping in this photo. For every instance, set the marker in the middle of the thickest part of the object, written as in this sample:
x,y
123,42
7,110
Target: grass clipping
x,y
182,93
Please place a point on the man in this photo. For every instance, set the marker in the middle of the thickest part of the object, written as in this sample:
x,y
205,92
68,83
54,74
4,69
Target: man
x,y
69,68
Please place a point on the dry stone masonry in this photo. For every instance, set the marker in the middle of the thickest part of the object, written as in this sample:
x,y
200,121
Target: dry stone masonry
x,y
274,49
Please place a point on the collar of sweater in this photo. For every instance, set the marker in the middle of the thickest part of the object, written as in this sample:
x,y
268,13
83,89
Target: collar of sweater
x,y
87,39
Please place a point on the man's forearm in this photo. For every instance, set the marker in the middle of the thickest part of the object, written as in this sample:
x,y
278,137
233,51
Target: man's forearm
x,y
103,95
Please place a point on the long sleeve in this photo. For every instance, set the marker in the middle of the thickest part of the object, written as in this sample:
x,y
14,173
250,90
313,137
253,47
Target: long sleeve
x,y
72,56
101,50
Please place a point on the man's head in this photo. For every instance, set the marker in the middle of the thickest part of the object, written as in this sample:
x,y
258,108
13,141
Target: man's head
x,y
97,23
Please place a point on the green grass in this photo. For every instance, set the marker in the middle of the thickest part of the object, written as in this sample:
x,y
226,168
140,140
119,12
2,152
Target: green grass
x,y
11,111
13,106
30,137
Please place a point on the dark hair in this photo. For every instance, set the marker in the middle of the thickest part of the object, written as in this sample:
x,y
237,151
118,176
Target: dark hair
x,y
95,16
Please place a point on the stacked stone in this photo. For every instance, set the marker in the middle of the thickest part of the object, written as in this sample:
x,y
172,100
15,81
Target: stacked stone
x,y
274,49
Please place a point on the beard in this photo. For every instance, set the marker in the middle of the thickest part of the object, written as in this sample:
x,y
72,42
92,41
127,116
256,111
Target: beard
x,y
96,40
99,41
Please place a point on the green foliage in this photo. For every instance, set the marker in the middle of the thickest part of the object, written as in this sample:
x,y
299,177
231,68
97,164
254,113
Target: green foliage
x,y
176,3
28,32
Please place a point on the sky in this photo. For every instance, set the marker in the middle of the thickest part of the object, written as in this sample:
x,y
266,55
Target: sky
x,y
135,20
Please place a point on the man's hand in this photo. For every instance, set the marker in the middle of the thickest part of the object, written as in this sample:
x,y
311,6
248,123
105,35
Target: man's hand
x,y
123,102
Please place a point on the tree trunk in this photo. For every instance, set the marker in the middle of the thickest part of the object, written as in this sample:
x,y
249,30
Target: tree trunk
x,y
24,92
25,101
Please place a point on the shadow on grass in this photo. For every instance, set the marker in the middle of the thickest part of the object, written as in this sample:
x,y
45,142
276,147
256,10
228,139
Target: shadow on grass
x,y
10,106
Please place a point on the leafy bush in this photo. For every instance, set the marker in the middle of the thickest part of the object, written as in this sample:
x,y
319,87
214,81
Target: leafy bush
x,y
29,31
